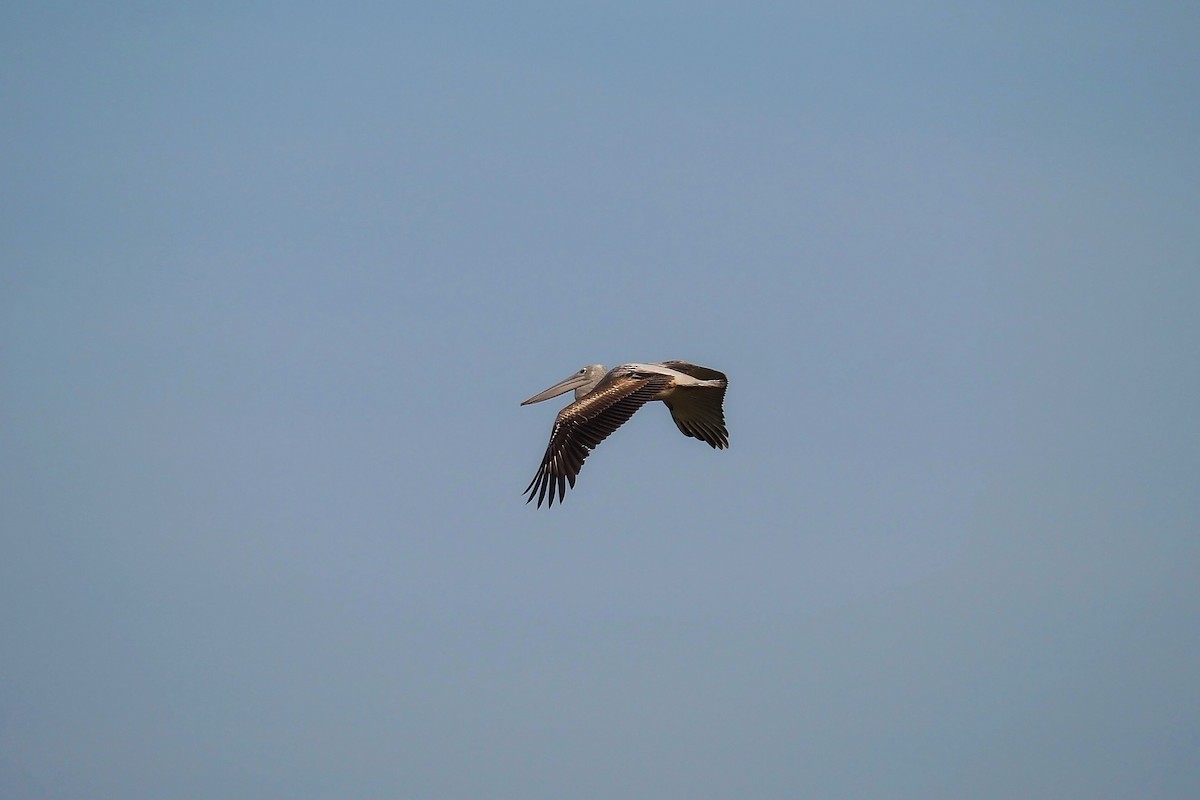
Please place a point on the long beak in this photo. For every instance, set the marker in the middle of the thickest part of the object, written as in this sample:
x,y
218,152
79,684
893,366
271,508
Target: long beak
x,y
566,385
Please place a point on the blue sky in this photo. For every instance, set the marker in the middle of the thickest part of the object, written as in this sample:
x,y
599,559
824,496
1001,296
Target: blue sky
x,y
276,277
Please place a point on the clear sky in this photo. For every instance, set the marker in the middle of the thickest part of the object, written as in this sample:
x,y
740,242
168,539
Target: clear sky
x,y
275,278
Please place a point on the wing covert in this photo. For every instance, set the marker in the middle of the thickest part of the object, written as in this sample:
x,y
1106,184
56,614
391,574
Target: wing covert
x,y
583,425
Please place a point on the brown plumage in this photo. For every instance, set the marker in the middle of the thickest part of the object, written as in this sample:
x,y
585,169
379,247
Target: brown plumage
x,y
698,412
605,401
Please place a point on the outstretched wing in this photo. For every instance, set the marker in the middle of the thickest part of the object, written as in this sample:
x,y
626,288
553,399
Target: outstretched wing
x,y
584,424
697,410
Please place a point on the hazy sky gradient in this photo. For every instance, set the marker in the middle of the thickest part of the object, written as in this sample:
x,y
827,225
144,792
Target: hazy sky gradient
x,y
275,278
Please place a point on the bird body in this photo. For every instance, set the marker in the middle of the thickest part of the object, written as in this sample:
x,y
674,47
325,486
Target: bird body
x,y
606,398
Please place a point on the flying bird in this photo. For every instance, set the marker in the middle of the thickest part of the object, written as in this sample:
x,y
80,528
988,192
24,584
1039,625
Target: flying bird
x,y
606,398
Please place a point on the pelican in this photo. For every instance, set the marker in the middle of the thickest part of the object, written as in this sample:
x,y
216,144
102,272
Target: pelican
x,y
606,398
